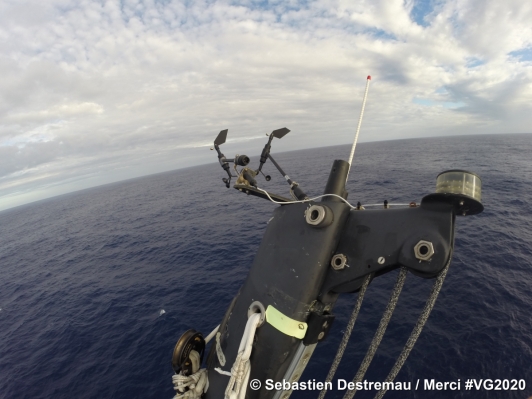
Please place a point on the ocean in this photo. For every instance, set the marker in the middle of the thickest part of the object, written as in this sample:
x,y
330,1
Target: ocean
x,y
85,277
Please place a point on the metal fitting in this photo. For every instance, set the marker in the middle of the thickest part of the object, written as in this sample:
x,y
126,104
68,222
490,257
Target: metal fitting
x,y
339,261
318,216
424,250
257,307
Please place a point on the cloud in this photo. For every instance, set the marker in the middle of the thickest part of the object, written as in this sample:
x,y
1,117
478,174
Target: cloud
x,y
104,90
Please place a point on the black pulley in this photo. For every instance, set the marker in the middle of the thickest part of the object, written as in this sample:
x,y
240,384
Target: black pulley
x,y
189,341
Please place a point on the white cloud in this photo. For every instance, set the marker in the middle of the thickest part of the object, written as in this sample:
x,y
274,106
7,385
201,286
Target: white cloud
x,y
103,90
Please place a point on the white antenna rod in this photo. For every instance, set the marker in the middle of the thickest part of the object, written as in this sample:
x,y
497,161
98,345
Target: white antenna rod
x,y
358,127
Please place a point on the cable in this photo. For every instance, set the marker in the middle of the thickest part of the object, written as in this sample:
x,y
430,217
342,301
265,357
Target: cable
x,y
318,197
383,204
377,338
306,200
429,305
346,336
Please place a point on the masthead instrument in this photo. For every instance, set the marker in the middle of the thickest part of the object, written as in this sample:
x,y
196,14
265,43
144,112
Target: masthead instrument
x,y
311,253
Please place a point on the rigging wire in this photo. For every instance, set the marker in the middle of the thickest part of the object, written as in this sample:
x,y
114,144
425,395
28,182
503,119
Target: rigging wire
x,y
377,338
422,320
346,336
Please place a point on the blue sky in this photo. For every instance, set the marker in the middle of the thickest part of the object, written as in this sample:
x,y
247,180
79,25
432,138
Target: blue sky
x,y
98,91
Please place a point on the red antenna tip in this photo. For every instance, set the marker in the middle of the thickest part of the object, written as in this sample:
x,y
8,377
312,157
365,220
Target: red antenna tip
x,y
369,77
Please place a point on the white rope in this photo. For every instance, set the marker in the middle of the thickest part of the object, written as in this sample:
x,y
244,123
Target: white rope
x,y
236,388
211,335
359,124
219,370
219,352
192,386
321,196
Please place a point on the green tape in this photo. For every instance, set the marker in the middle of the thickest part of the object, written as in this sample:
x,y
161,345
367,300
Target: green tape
x,y
285,324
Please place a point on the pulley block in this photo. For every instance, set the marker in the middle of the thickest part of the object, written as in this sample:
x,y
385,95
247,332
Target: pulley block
x,y
189,341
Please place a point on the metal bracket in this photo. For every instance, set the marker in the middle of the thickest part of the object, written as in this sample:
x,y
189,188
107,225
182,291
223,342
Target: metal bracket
x,y
319,326
379,241
285,324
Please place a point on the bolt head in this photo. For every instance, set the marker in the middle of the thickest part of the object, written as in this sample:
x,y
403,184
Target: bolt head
x,y
424,250
339,261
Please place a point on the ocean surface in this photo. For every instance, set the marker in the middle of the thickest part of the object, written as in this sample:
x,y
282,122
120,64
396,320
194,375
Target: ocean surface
x,y
85,277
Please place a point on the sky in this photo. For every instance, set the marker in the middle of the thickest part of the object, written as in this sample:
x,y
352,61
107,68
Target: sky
x,y
93,92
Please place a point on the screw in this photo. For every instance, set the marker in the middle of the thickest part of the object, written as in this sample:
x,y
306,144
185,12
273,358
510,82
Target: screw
x,y
381,260
301,326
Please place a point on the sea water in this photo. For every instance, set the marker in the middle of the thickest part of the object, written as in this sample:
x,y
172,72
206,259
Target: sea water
x,y
97,286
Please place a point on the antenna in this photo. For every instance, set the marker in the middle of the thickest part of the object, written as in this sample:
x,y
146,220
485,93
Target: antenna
x,y
358,127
